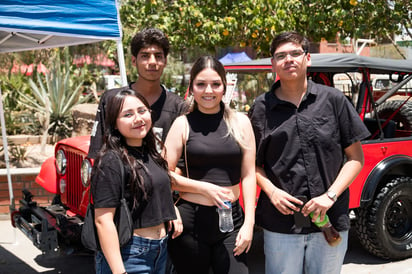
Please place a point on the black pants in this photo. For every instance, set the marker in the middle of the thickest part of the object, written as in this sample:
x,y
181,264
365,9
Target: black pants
x,y
202,246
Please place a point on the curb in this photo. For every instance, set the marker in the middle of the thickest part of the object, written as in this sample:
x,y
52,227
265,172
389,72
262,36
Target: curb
x,y
4,216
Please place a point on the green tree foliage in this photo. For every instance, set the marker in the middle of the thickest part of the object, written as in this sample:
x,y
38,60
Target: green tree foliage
x,y
208,24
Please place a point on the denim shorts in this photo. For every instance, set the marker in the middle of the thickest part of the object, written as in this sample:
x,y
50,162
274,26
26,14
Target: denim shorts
x,y
140,255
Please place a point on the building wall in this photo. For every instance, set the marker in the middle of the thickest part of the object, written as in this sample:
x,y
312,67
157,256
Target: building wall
x,y
326,47
402,51
389,51
22,178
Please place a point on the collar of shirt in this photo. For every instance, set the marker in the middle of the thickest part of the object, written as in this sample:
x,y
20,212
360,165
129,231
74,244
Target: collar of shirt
x,y
273,100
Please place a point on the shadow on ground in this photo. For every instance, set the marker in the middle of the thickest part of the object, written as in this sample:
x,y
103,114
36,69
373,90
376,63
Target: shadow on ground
x,y
62,264
10,264
356,254
81,263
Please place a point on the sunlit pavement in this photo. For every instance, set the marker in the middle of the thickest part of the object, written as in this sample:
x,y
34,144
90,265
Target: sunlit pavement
x,y
18,255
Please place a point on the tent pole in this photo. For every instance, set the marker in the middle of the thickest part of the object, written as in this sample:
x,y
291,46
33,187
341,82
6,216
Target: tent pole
x,y
122,66
6,153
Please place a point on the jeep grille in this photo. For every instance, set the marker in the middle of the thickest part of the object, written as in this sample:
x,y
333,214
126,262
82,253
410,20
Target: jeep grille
x,y
74,189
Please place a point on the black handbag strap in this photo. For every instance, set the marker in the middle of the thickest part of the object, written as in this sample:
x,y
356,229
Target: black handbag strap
x,y
122,174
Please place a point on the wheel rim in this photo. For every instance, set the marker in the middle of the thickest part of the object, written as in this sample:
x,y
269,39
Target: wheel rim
x,y
398,218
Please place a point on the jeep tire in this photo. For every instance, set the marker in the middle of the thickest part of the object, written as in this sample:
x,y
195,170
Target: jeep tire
x,y
385,227
403,118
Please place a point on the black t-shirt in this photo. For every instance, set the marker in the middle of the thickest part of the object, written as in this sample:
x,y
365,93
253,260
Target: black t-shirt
x,y
302,149
106,189
213,155
164,111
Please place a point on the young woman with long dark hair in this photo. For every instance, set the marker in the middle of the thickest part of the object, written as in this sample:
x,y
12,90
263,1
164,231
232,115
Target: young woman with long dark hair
x,y
220,150
129,136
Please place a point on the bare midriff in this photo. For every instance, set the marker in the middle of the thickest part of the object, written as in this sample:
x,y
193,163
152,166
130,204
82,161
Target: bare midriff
x,y
153,232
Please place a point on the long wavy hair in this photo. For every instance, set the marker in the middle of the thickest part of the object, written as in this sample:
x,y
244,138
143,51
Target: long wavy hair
x,y
229,115
114,141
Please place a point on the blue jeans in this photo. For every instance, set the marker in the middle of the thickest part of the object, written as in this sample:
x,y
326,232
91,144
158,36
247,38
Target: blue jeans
x,y
140,255
303,253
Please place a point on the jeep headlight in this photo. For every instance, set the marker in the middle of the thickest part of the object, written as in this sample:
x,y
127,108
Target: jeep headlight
x,y
85,172
61,162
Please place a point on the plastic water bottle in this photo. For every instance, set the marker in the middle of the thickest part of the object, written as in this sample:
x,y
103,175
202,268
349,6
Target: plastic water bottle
x,y
332,236
225,217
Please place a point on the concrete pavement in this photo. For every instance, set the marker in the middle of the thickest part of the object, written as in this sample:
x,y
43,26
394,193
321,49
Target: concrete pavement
x,y
18,255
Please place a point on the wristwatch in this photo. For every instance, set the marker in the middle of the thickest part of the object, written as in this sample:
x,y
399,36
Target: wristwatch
x,y
332,195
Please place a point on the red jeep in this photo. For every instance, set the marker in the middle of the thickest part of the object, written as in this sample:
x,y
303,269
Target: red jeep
x,y
381,195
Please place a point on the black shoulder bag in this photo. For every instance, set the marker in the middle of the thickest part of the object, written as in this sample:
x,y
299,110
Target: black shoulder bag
x,y
122,219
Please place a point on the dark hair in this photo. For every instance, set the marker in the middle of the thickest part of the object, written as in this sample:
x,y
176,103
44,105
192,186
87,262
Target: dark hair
x,y
114,141
289,36
229,115
204,62
147,37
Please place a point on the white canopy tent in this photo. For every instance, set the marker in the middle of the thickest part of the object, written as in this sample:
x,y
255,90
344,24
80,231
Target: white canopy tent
x,y
37,24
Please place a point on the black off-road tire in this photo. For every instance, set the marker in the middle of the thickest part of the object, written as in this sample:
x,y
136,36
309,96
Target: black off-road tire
x,y
385,227
403,118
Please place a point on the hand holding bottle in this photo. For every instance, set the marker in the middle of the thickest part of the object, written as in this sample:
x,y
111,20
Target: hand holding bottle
x,y
332,236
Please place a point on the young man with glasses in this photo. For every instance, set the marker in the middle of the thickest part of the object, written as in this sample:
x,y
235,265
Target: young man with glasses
x,y
308,153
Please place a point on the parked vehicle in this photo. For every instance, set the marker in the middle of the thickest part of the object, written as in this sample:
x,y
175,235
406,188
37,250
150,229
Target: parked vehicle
x,y
380,196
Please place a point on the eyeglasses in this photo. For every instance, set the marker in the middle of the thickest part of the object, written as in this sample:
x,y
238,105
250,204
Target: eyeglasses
x,y
280,56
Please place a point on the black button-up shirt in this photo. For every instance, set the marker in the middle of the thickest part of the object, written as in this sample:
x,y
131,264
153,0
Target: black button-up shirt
x,y
301,149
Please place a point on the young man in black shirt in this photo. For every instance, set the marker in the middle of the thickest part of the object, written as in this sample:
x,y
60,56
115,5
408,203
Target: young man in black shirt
x,y
308,149
149,48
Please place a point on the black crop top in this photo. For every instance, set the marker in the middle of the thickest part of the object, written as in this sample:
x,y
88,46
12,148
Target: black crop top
x,y
106,190
213,155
